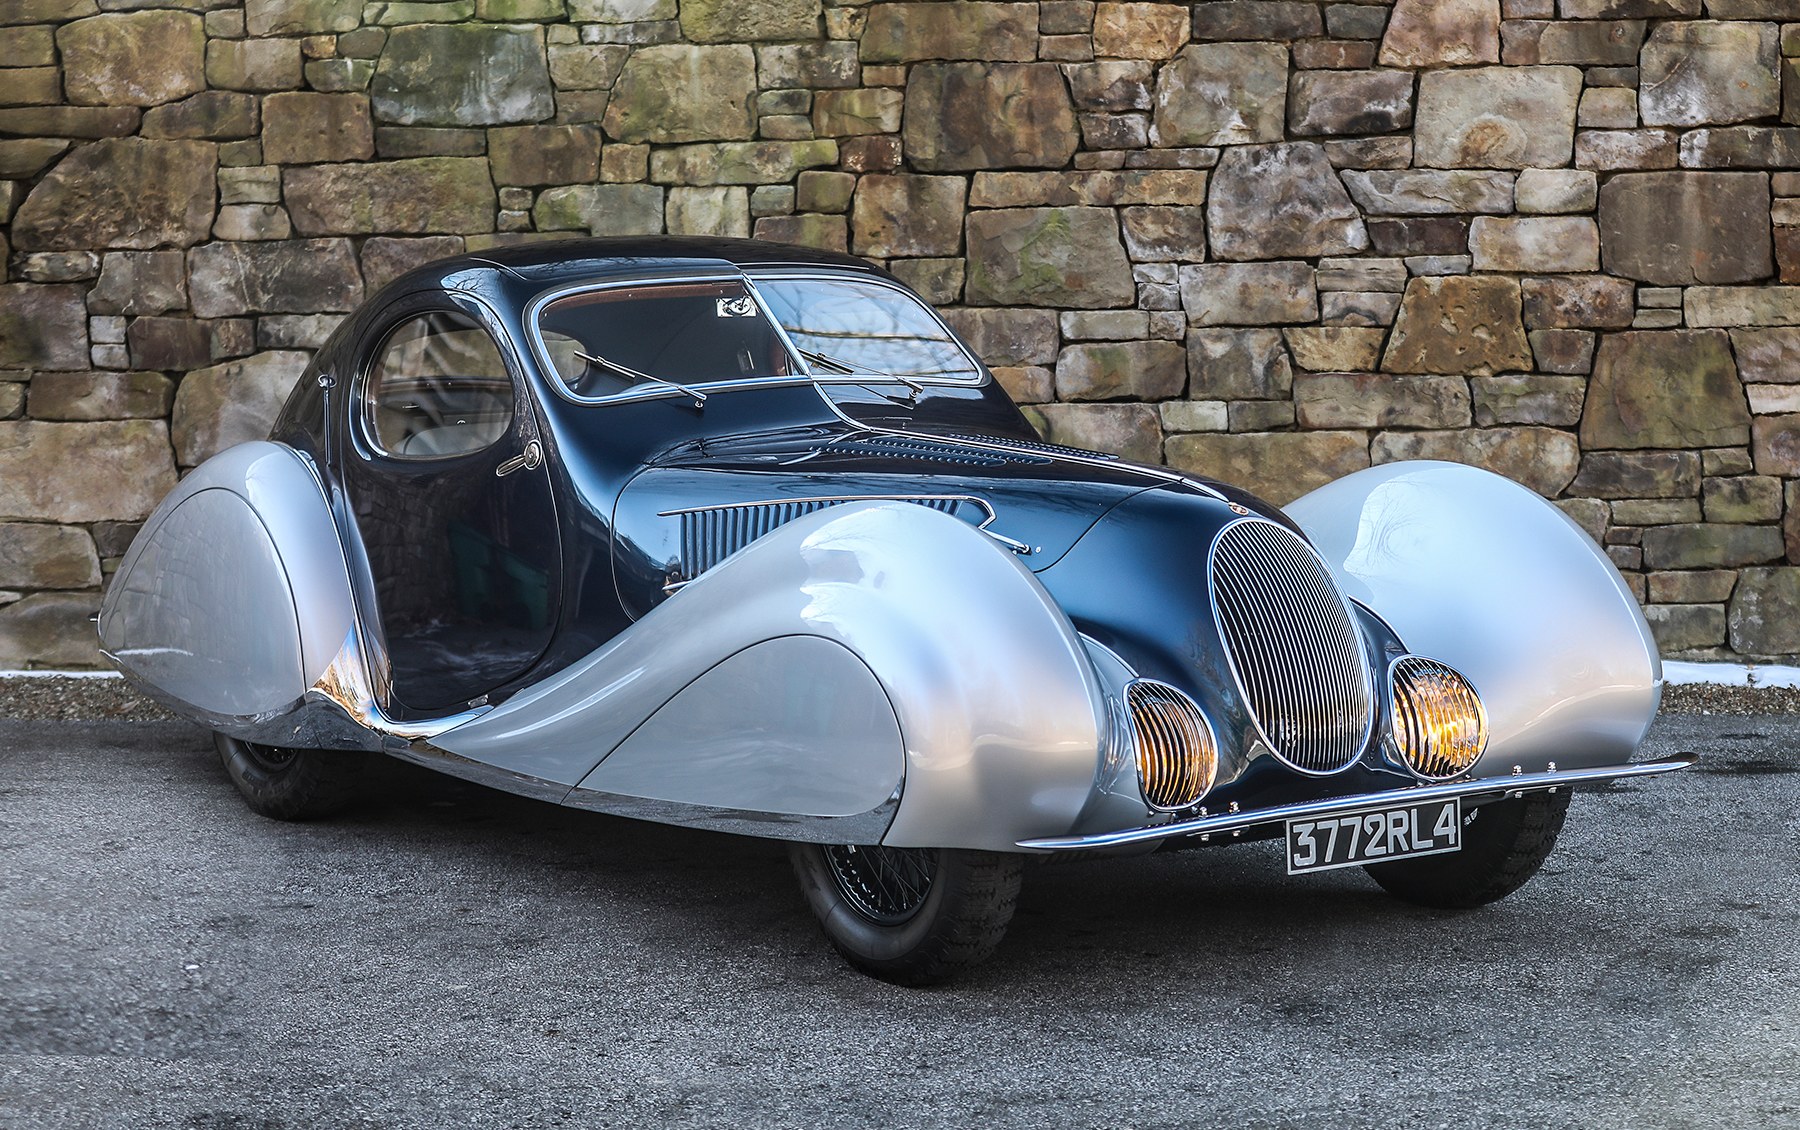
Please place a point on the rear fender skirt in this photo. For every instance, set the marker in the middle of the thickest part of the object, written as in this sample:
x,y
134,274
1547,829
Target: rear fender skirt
x,y
233,600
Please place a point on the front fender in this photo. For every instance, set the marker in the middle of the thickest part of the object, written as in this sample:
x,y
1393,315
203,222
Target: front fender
x,y
864,652
1475,570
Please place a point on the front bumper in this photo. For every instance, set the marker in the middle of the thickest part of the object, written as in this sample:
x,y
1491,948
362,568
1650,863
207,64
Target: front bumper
x,y
1515,785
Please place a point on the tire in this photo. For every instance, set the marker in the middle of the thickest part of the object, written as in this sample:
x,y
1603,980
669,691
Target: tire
x,y
910,916
292,784
1504,844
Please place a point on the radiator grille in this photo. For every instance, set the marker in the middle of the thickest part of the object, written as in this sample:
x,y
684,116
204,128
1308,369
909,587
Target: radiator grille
x,y
1292,646
710,536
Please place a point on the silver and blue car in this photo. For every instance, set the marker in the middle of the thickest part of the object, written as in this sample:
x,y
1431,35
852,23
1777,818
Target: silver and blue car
x,y
742,537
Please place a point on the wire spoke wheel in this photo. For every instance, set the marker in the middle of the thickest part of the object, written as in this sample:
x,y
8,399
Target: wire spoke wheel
x,y
913,916
885,885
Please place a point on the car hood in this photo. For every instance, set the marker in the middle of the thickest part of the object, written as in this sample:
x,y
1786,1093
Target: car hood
x,y
694,505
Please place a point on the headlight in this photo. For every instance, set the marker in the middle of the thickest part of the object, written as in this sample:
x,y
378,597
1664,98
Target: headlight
x,y
1440,727
1177,757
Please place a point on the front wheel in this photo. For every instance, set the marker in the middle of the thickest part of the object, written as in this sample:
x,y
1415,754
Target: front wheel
x,y
912,916
291,784
1504,844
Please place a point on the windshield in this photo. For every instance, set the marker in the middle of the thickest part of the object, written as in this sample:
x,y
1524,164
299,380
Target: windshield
x,y
606,341
609,340
861,327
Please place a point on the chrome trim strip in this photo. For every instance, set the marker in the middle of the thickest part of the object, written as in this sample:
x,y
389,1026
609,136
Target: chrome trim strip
x,y
1516,784
977,501
861,828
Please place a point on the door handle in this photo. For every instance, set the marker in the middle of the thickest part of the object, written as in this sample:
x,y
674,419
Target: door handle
x,y
530,459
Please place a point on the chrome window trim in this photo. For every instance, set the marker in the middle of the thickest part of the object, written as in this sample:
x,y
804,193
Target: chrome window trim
x,y
980,367
362,389
1237,678
541,351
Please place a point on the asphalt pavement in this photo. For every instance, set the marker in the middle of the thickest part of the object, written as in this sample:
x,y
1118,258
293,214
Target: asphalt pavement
x,y
453,957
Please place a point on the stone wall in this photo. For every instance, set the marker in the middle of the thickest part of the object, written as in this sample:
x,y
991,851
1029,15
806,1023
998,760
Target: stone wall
x,y
1270,240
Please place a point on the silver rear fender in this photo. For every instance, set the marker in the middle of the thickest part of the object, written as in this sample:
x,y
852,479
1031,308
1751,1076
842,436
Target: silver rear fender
x,y
233,600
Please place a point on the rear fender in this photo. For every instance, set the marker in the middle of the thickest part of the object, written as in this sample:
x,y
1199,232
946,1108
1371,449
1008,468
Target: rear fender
x,y
233,600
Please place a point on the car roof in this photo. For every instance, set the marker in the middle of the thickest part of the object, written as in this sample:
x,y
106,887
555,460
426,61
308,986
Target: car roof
x,y
550,259
529,268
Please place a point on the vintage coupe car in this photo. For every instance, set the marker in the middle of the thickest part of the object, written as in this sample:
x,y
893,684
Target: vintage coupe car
x,y
742,537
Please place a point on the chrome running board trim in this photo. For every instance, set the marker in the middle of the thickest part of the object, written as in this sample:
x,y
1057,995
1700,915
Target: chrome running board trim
x,y
1516,784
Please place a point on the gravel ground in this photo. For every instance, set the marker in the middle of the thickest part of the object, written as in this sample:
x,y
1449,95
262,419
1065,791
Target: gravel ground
x,y
448,956
55,698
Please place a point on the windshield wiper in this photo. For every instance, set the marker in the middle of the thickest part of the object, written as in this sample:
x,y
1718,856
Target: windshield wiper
x,y
628,371
814,357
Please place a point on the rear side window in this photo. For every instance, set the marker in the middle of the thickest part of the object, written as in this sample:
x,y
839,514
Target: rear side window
x,y
438,388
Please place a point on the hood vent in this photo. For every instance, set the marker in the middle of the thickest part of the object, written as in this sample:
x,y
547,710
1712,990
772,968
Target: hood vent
x,y
935,451
711,535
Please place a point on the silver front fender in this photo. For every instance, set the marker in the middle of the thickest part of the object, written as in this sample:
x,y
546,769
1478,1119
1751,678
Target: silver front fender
x,y
1475,570
709,711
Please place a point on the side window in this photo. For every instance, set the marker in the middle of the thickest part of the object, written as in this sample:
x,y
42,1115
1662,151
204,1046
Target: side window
x,y
437,389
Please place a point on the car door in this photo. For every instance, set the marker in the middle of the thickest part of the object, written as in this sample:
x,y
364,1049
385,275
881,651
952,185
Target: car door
x,y
444,470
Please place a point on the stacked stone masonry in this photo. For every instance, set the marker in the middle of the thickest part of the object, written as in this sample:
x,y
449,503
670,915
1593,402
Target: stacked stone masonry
x,y
1269,240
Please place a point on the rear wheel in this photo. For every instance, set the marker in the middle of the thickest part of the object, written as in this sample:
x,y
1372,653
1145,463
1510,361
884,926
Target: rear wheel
x,y
1504,844
913,916
285,783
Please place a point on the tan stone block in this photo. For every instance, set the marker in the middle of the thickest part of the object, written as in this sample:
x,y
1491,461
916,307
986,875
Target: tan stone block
x,y
114,470
1543,459
1377,400
1121,370
1140,31
1335,349
1277,466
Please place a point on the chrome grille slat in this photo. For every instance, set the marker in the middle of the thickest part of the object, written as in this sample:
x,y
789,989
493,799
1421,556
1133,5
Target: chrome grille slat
x,y
1292,646
711,535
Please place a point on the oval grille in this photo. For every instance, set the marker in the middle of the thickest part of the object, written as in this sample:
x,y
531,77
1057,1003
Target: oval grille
x,y
1291,644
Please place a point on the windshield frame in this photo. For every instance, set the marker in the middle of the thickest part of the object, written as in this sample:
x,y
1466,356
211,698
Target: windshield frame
x,y
805,372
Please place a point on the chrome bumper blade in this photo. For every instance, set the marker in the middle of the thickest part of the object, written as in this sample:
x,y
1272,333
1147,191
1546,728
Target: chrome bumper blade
x,y
1331,806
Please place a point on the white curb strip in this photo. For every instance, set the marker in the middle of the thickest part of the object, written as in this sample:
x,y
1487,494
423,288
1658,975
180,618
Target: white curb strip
x,y
1731,674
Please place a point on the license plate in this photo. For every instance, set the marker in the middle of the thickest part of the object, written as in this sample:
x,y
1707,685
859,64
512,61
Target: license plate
x,y
1402,831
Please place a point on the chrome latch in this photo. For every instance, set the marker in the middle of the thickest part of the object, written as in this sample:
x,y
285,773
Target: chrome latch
x,y
530,459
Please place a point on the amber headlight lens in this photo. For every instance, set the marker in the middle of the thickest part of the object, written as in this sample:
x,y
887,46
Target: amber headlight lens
x,y
1176,755
1440,727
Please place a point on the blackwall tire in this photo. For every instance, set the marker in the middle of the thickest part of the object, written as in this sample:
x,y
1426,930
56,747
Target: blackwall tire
x,y
955,922
1504,844
292,784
